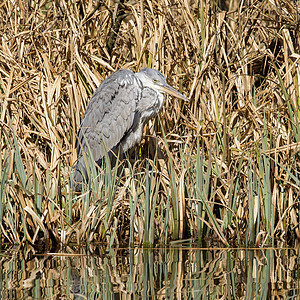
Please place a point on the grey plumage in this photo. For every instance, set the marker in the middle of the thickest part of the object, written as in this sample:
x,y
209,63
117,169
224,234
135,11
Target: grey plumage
x,y
117,112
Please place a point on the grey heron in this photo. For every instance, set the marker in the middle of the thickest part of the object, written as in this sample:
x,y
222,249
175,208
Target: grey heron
x,y
117,112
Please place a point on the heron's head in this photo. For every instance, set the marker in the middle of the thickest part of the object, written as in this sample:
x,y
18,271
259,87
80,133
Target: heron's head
x,y
154,79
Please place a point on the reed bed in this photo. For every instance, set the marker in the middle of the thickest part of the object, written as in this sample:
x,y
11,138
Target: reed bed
x,y
224,166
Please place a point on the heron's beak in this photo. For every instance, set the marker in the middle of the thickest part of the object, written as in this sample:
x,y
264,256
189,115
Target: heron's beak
x,y
171,91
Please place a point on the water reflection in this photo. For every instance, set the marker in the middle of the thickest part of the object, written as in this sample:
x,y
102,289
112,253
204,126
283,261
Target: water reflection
x,y
175,273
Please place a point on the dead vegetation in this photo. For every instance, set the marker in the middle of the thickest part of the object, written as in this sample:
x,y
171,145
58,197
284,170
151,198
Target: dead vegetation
x,y
227,163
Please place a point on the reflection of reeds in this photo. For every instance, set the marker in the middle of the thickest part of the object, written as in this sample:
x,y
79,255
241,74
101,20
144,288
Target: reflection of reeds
x,y
174,273
226,165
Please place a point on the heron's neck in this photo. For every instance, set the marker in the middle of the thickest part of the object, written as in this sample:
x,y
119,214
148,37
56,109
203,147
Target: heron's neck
x,y
150,104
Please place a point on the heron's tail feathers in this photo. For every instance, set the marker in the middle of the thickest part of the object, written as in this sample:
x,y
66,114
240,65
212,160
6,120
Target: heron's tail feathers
x,y
79,176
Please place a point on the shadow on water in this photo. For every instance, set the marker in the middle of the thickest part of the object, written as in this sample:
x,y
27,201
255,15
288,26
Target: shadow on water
x,y
167,273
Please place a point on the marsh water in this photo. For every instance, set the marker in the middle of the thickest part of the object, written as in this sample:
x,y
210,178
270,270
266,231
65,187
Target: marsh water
x,y
166,273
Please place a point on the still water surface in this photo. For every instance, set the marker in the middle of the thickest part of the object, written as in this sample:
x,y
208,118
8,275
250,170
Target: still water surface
x,y
169,273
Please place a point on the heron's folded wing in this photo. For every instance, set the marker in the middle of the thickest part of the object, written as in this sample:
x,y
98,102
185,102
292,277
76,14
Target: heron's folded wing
x,y
110,113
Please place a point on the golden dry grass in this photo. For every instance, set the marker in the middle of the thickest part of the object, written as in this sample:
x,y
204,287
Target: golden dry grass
x,y
239,65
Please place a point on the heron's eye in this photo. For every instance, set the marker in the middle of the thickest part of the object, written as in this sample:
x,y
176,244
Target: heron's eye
x,y
154,80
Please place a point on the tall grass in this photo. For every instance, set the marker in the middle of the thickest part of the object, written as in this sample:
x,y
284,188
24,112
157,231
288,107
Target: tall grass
x,y
225,166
